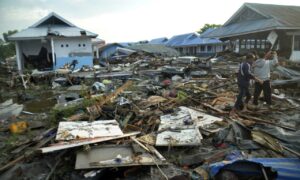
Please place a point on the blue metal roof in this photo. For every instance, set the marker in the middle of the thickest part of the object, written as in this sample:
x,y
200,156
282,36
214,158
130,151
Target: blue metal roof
x,y
162,40
177,40
287,168
190,39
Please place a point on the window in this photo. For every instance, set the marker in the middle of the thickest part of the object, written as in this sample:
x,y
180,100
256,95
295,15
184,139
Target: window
x,y
62,45
248,44
79,45
83,45
209,48
202,48
268,44
297,43
67,45
263,44
252,44
258,43
243,44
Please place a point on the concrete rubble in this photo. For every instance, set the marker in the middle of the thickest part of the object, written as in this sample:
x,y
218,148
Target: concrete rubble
x,y
147,117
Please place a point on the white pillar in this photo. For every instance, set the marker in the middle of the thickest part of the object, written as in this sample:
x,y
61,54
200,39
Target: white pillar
x,y
53,53
19,60
97,52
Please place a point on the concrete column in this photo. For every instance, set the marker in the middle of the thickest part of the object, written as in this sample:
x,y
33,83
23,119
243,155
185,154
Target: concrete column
x,y
53,53
19,59
97,52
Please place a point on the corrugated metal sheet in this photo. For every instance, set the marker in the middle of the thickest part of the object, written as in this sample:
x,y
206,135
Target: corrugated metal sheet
x,y
178,39
155,49
287,168
191,39
33,33
36,31
243,28
286,15
274,17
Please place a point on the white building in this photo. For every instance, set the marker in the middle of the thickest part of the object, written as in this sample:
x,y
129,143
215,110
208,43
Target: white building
x,y
52,42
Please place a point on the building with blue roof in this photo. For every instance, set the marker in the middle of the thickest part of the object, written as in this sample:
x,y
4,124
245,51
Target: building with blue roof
x,y
161,41
194,44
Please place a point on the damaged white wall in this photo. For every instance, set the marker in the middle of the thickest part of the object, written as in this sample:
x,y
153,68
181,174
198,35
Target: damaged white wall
x,y
65,46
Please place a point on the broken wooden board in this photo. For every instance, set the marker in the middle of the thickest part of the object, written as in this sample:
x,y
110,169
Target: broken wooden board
x,y
201,119
81,130
198,118
8,109
183,137
179,129
114,156
81,142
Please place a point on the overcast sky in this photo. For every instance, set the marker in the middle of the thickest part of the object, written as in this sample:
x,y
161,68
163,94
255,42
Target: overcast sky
x,y
125,20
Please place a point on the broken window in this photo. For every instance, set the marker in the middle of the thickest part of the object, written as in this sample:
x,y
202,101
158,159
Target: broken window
x,y
297,43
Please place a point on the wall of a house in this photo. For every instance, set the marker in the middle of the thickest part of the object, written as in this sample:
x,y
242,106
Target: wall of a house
x,y
69,49
108,52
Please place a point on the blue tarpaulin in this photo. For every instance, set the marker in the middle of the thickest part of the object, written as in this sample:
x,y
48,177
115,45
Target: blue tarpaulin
x,y
287,168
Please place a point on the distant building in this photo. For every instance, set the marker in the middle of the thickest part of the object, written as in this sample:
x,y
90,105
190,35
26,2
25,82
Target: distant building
x,y
97,44
109,50
193,44
52,42
249,28
161,41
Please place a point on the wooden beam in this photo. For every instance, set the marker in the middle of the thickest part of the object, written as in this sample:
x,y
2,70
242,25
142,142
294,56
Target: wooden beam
x,y
76,143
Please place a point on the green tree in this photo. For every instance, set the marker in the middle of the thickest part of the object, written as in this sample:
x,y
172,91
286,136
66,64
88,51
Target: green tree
x,y
7,49
8,33
207,26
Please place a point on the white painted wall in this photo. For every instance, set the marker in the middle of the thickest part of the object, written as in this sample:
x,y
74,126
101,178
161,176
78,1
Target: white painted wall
x,y
75,45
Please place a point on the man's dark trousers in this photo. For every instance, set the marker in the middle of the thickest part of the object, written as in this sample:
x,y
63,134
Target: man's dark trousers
x,y
243,91
266,88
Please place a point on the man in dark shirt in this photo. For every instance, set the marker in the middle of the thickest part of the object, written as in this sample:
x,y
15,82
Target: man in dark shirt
x,y
244,76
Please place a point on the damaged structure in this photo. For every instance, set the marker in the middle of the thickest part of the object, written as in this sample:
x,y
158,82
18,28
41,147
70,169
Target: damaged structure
x,y
249,29
51,43
145,113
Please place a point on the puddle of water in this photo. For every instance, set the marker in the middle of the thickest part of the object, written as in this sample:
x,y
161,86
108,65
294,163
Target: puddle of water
x,y
43,102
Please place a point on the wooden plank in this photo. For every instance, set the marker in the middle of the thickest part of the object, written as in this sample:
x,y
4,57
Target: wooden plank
x,y
76,143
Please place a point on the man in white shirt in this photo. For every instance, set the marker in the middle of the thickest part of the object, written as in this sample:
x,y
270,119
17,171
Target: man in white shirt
x,y
262,68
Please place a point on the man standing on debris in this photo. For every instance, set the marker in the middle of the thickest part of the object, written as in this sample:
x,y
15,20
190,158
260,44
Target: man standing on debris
x,y
262,67
244,76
